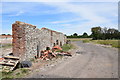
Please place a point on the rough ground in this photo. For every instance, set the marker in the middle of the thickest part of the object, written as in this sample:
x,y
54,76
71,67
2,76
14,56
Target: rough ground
x,y
93,61
5,51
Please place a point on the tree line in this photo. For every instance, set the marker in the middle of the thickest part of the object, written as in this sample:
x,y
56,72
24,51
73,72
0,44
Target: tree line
x,y
5,34
99,33
75,35
104,33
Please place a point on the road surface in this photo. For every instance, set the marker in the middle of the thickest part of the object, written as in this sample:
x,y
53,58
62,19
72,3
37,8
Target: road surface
x,y
93,61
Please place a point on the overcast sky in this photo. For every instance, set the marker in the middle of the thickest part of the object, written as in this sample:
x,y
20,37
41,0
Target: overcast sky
x,y
64,16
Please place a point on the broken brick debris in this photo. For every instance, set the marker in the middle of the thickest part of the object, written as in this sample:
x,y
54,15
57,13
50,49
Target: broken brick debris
x,y
49,54
57,47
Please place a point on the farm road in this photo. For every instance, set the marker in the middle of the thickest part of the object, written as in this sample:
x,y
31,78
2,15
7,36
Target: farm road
x,y
94,61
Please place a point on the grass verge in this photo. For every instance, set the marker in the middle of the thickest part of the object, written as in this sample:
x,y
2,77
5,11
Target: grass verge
x,y
113,43
78,39
15,74
67,47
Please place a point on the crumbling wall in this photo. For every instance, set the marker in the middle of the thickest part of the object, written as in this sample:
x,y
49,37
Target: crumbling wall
x,y
18,42
28,41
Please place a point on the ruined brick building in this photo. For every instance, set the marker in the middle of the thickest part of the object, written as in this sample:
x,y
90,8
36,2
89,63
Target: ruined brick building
x,y
28,40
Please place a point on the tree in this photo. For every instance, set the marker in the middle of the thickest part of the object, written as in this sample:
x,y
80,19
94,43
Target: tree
x,y
3,34
85,35
75,34
8,34
96,32
104,33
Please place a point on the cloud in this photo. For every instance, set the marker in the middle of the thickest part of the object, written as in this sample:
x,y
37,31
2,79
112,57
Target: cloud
x,y
87,12
36,0
65,21
87,15
17,14
16,7
84,11
98,14
59,0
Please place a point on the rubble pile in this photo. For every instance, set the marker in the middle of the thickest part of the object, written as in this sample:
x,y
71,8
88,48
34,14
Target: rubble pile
x,y
55,51
9,62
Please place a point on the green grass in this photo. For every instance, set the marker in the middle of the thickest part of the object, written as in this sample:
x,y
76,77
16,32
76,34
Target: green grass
x,y
113,43
24,70
78,39
32,59
67,47
15,74
7,74
18,73
5,45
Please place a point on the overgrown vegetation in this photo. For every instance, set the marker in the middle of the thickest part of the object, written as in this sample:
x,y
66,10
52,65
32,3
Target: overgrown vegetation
x,y
106,36
113,43
15,74
6,74
67,47
32,59
24,70
99,33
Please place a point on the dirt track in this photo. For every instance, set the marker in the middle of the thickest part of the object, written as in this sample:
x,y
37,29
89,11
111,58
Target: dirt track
x,y
94,61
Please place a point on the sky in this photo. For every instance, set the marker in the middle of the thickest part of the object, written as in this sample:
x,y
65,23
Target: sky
x,y
63,16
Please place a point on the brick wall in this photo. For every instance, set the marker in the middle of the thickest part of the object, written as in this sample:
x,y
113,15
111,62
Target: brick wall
x,y
28,40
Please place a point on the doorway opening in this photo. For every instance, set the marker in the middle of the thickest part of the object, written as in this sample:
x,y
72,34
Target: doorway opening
x,y
57,43
53,44
60,43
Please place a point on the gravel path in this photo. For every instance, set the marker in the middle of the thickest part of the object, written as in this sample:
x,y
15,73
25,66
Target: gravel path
x,y
93,61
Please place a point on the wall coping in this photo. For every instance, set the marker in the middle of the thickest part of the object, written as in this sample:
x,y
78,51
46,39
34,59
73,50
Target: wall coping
x,y
22,23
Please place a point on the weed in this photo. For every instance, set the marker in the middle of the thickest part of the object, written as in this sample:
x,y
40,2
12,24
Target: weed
x,y
24,70
67,47
32,60
18,73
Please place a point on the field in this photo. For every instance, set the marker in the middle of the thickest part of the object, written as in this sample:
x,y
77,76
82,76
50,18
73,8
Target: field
x,y
113,43
5,46
78,39
5,43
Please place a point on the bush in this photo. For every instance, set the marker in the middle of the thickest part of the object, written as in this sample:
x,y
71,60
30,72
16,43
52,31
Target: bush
x,y
67,47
